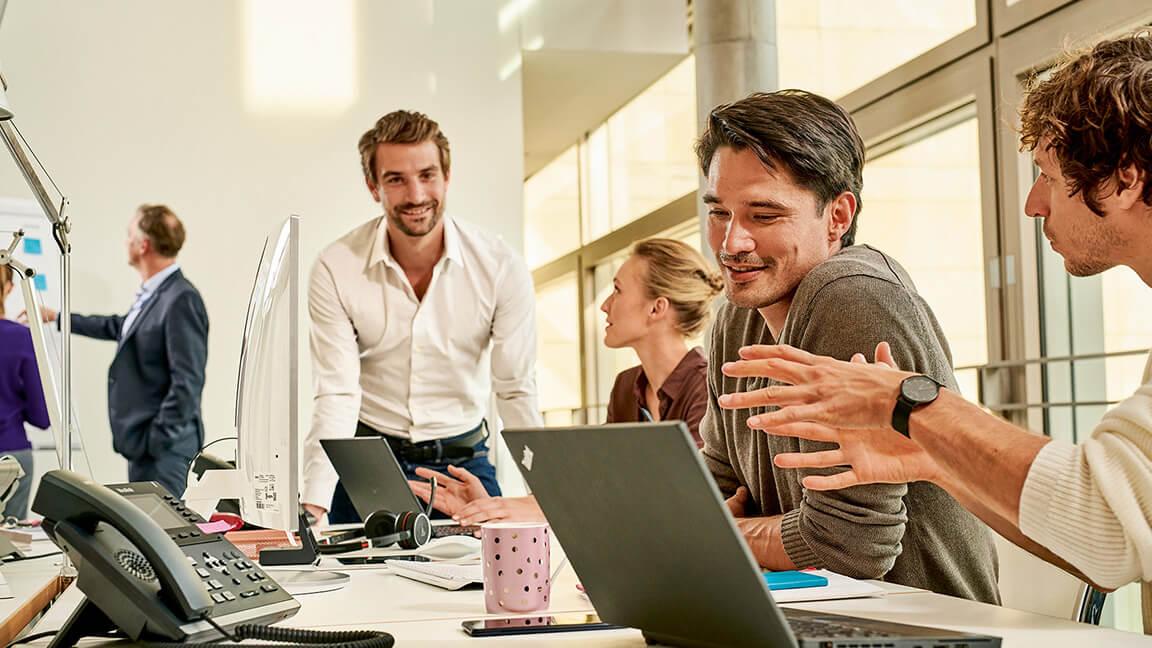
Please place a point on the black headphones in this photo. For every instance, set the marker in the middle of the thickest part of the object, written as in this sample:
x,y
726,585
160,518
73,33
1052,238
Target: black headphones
x,y
409,529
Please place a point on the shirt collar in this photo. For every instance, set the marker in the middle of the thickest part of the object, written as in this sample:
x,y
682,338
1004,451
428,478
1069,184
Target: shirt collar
x,y
381,253
152,283
673,386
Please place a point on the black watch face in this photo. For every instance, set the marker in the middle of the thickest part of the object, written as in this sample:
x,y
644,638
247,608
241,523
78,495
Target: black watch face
x,y
919,389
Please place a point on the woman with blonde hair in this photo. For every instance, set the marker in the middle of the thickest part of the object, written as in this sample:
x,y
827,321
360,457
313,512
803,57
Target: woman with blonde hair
x,y
661,298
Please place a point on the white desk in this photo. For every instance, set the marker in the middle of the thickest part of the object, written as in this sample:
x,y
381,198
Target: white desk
x,y
423,615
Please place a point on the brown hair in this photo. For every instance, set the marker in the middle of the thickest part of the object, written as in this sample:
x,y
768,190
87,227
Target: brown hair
x,y
401,127
814,139
1096,109
679,273
162,228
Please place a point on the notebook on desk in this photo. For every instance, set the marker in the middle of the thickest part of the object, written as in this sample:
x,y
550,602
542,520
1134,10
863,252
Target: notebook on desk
x,y
648,533
374,480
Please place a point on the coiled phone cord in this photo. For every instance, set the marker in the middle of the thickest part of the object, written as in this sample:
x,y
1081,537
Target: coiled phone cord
x,y
293,637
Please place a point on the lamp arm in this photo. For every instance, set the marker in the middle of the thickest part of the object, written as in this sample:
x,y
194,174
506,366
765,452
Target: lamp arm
x,y
20,154
32,307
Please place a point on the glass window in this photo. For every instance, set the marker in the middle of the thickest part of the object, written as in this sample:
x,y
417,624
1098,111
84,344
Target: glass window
x,y
552,210
835,46
558,349
922,206
645,159
1127,305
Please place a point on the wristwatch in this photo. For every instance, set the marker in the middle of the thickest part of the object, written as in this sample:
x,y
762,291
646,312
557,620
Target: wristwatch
x,y
915,391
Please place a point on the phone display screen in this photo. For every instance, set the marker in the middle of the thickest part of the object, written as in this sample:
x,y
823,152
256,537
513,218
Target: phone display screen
x,y
534,624
157,509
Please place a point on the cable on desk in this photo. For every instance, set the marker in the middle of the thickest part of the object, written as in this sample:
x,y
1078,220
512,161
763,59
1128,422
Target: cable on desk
x,y
43,555
292,637
33,637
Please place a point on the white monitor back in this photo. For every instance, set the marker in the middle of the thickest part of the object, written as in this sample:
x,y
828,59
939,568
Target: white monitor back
x,y
266,391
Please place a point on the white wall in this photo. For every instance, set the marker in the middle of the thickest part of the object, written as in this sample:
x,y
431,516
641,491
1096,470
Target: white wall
x,y
131,101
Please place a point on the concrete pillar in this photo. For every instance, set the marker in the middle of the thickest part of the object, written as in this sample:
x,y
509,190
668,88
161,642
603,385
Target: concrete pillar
x,y
735,46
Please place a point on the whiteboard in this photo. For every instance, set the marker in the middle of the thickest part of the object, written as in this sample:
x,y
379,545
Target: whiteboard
x,y
37,250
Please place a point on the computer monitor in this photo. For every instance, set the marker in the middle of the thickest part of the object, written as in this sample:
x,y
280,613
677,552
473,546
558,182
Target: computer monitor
x,y
266,389
266,479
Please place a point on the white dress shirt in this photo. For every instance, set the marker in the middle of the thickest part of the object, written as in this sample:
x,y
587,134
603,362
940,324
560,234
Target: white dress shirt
x,y
410,368
147,289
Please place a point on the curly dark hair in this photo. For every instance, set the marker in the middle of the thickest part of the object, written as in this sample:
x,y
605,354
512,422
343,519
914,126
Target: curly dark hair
x,y
812,137
1096,110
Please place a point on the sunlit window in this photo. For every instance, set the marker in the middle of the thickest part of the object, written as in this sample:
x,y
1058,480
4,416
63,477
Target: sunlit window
x,y
922,207
835,46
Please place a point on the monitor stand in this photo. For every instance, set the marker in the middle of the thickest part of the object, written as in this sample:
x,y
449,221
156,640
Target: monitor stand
x,y
301,581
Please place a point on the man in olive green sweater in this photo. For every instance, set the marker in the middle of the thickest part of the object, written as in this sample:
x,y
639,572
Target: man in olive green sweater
x,y
784,181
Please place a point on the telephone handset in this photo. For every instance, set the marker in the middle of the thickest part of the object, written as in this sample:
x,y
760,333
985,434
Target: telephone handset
x,y
146,568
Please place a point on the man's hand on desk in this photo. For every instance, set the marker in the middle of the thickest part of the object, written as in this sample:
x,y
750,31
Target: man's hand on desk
x,y
452,492
762,534
462,496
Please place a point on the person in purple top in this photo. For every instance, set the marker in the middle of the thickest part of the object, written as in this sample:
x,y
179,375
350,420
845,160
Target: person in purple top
x,y
21,398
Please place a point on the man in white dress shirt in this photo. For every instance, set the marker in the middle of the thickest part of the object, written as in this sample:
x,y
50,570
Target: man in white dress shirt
x,y
416,320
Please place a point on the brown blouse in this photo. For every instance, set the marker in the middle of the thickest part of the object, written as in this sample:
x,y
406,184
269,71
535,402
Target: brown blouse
x,y
683,396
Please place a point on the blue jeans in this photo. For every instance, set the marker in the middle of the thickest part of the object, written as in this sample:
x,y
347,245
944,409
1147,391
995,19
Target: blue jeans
x,y
343,512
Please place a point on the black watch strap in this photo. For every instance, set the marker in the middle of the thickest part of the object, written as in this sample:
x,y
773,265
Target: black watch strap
x,y
915,391
900,416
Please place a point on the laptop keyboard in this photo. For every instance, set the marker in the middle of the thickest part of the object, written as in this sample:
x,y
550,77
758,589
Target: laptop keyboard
x,y
831,626
445,530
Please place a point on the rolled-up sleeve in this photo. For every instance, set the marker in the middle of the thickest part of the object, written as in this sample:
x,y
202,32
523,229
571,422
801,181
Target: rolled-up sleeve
x,y
335,383
514,347
1091,504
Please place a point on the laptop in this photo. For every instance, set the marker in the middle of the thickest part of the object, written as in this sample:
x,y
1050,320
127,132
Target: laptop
x,y
374,481
648,532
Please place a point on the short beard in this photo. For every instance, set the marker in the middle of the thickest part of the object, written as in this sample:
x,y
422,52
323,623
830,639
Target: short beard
x,y
748,296
397,220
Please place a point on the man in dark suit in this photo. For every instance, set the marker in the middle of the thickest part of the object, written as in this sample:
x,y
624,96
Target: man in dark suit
x,y
157,376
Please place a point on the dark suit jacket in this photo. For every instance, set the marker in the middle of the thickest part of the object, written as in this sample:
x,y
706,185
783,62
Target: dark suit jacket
x,y
157,376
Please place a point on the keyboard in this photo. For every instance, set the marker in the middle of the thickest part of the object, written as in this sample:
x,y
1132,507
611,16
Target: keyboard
x,y
445,530
446,575
814,625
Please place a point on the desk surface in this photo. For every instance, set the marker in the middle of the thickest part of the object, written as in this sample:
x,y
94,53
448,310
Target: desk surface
x,y
419,614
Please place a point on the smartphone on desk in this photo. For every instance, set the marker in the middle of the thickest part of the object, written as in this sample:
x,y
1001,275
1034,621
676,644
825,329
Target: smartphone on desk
x,y
375,560
530,625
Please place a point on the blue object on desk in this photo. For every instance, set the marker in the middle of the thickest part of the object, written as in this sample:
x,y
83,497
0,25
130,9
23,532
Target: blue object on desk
x,y
41,282
32,246
783,580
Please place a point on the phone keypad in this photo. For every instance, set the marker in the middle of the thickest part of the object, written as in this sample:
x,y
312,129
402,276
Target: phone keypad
x,y
247,583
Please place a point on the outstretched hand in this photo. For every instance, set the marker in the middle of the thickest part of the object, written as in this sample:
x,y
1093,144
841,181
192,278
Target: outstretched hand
x,y
817,389
846,403
452,492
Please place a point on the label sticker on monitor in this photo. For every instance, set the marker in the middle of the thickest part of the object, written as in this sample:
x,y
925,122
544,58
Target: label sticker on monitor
x,y
526,459
264,487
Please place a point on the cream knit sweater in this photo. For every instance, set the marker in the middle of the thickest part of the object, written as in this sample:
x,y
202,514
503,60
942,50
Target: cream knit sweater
x,y
1091,503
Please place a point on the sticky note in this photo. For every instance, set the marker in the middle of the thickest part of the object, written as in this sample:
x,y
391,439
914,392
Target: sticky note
x,y
32,246
41,282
